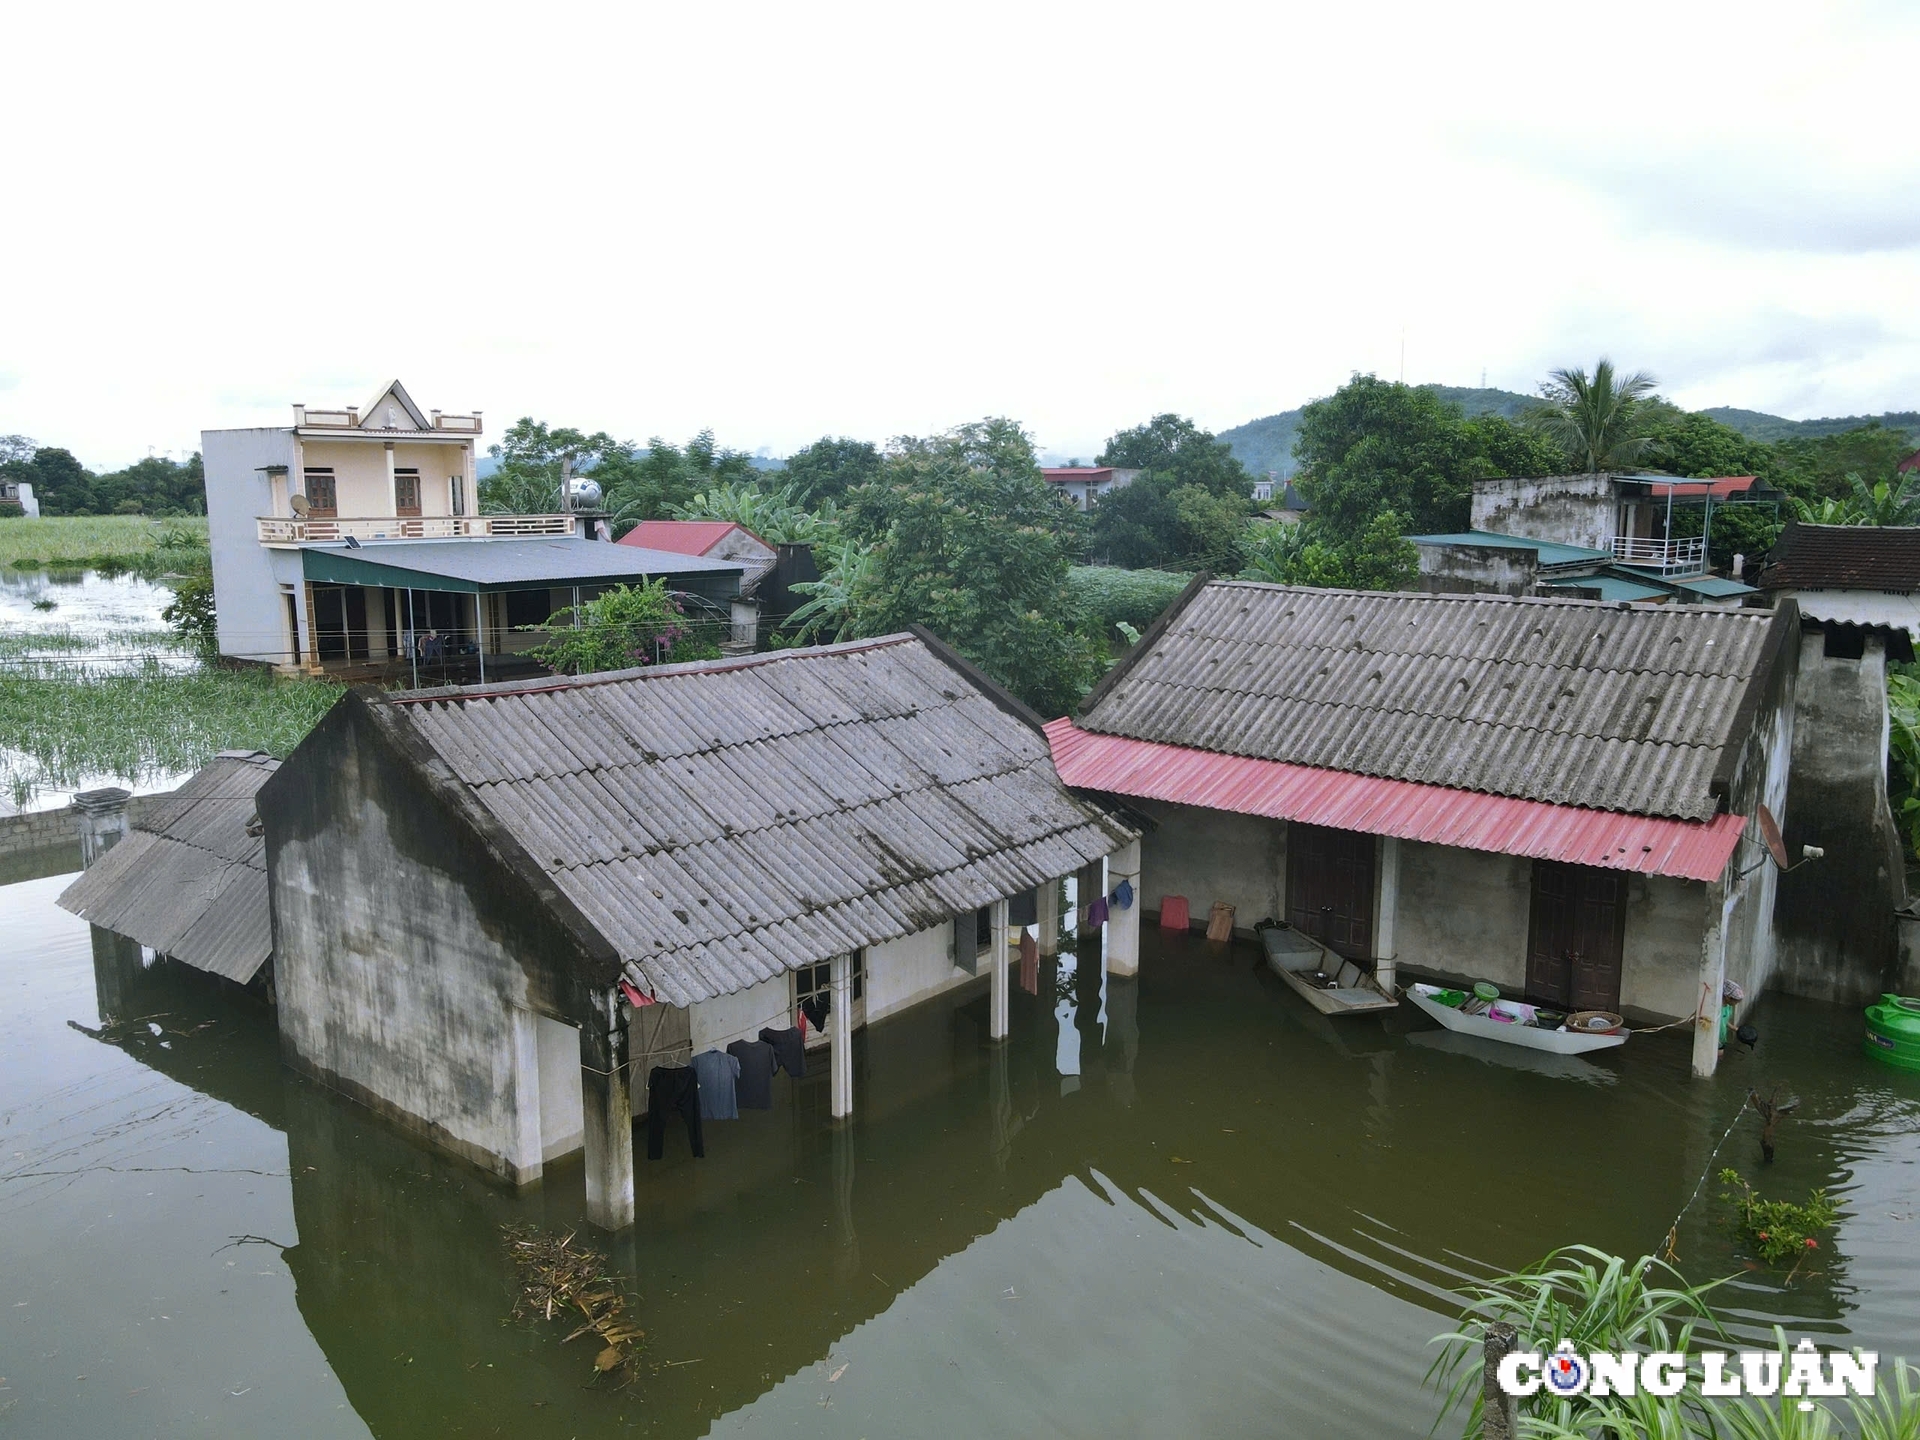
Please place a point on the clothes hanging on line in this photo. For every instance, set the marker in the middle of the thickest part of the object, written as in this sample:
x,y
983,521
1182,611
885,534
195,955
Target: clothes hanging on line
x,y
673,1088
719,1074
789,1050
1097,913
816,1008
1122,896
1029,964
754,1087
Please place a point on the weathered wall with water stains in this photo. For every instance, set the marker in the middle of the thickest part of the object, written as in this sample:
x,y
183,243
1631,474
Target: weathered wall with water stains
x,y
910,970
1209,855
1463,913
1835,916
410,959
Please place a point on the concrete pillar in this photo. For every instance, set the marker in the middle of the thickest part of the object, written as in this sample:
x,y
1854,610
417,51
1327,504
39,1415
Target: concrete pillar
x,y
606,1109
1123,926
393,484
117,968
997,959
102,818
1047,914
1384,969
1713,976
840,1034
526,1153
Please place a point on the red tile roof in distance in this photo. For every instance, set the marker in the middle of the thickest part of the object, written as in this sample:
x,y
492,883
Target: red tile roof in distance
x,y
1724,488
1058,474
1436,814
682,537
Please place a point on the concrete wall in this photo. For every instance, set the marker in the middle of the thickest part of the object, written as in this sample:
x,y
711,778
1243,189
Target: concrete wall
x,y
1836,915
562,1129
360,473
1572,509
1209,855
910,970
1478,570
33,832
405,948
250,613
717,1023
1667,922
1463,913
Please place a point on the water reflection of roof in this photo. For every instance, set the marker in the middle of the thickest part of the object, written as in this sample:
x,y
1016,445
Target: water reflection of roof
x,y
190,878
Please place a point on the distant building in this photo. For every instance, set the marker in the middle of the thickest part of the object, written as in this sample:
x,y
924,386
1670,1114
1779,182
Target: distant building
x,y
1292,506
1085,484
708,540
18,495
1475,787
495,910
1857,591
351,542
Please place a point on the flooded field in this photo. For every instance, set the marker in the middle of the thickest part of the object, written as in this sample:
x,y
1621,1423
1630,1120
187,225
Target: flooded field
x,y
1178,1205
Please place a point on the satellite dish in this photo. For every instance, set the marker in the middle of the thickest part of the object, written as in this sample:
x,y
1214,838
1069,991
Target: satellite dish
x,y
1770,832
300,505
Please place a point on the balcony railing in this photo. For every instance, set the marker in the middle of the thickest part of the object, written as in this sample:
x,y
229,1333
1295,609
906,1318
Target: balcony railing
x,y
277,530
1669,557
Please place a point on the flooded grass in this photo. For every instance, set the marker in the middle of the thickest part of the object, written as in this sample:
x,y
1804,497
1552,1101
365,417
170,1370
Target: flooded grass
x,y
104,542
66,725
69,640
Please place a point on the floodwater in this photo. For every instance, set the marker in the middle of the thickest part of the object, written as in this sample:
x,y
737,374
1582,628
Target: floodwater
x,y
1178,1205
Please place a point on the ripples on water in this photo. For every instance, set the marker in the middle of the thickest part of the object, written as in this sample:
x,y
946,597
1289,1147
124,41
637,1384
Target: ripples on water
x,y
1234,1217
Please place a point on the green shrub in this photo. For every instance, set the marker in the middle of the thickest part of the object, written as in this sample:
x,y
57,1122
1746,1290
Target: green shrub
x,y
1111,596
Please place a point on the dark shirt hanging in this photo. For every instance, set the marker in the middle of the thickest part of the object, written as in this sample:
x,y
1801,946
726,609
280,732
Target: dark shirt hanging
x,y
672,1087
754,1088
789,1051
719,1085
816,1008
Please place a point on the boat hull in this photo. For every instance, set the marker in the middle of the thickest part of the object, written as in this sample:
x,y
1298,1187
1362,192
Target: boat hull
x,y
1532,1037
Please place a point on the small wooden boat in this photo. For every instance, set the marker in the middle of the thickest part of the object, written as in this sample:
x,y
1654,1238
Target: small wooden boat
x,y
1515,1031
1329,983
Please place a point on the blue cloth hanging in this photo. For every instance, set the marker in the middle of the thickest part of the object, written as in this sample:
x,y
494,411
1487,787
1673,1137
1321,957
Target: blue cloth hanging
x,y
1122,896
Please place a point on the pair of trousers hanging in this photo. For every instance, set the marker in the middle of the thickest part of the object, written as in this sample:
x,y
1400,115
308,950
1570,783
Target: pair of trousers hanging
x,y
673,1088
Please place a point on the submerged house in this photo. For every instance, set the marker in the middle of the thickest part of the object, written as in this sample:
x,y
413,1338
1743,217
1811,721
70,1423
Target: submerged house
x,y
1856,590
345,540
495,909
1558,796
187,880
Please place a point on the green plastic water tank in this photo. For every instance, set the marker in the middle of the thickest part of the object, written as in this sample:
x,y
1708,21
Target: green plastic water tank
x,y
1893,1031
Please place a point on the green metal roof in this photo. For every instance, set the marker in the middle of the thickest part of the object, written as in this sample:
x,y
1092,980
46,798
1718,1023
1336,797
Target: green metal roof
x,y
1613,587
471,567
1551,552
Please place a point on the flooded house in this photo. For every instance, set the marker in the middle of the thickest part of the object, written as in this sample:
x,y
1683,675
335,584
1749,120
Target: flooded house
x,y
1558,796
186,879
497,909
1856,589
352,543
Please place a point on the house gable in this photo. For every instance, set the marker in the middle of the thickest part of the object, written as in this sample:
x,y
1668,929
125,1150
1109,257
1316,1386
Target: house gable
x,y
393,409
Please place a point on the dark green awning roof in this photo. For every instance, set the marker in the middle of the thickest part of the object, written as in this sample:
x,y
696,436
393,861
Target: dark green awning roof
x,y
472,567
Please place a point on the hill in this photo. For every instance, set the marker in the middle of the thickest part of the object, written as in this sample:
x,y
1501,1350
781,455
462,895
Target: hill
x,y
1758,425
1267,443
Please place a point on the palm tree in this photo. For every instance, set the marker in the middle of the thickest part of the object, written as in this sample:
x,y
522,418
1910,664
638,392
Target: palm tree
x,y
1593,419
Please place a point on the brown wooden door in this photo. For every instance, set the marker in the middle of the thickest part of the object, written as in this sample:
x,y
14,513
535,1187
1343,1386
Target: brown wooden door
x,y
1575,935
1330,888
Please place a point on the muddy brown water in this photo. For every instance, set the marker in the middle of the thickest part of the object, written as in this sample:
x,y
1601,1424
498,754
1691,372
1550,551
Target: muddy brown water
x,y
1181,1205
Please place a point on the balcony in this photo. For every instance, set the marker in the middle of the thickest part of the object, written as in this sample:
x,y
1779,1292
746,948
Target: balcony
x,y
277,530
1668,557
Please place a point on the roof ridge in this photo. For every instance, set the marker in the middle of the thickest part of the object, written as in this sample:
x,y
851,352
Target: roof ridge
x,y
1740,613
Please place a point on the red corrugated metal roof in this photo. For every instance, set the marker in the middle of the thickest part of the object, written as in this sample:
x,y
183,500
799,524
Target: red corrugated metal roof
x,y
1723,488
1074,472
1688,849
681,537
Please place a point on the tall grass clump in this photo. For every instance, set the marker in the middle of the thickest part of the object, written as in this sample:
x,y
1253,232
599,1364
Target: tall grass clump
x,y
1112,597
104,542
60,726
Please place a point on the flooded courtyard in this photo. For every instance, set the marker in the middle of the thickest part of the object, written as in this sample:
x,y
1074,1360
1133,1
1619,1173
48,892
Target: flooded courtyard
x,y
1182,1204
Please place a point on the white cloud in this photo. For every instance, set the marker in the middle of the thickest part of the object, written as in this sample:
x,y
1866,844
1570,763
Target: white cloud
x,y
780,221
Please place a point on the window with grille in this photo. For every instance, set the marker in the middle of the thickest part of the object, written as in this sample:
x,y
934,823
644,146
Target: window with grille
x,y
320,492
810,981
406,492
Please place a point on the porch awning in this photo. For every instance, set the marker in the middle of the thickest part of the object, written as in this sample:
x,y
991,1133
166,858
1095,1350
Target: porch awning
x,y
1370,805
472,567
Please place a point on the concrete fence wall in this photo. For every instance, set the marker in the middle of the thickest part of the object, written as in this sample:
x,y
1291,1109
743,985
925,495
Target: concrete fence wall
x,y
37,831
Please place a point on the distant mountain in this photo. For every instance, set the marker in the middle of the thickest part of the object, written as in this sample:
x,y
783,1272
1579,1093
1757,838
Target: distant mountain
x,y
1757,425
1267,443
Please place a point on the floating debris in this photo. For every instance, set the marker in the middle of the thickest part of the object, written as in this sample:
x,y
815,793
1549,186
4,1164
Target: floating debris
x,y
559,1280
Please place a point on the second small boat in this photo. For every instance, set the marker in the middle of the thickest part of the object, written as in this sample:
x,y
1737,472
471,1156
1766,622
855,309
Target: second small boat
x,y
1446,1006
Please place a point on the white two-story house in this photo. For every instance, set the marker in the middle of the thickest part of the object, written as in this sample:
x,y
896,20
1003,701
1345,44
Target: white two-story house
x,y
351,542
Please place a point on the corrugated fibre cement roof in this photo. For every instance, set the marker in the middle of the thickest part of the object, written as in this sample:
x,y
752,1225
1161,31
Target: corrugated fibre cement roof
x,y
1570,702
724,822
1143,770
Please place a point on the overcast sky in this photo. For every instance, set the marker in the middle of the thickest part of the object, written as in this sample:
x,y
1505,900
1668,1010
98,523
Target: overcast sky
x,y
786,220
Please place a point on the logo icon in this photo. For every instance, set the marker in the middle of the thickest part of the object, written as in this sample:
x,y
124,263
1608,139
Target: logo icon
x,y
1566,1371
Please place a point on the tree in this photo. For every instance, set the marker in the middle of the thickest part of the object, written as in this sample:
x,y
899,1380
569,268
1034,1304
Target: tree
x,y
1701,447
829,467
1211,534
1134,527
530,458
1889,502
968,541
647,486
1596,421
1178,452
625,627
776,516
1380,559
1817,468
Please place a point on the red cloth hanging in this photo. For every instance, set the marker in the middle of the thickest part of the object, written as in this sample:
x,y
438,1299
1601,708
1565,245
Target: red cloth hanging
x,y
1029,964
634,997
